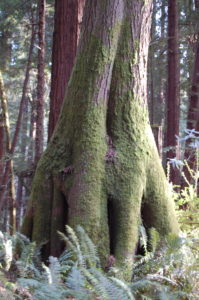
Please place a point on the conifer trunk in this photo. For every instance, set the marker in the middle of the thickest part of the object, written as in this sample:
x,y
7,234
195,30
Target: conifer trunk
x,y
101,168
2,147
193,112
39,140
173,100
7,179
11,145
68,17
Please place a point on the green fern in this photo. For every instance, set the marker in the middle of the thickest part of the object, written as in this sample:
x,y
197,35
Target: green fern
x,y
169,272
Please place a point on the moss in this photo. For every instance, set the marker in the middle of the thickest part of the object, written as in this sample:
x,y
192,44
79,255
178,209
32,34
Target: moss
x,y
135,52
158,206
80,141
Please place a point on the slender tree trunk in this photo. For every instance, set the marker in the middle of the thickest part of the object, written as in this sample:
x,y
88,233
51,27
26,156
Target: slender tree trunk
x,y
101,168
193,112
18,124
163,19
8,171
32,130
2,147
19,195
156,76
23,151
39,141
68,17
173,101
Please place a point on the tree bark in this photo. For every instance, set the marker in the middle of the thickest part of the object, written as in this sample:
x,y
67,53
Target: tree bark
x,y
173,100
39,140
8,171
101,168
68,17
156,77
23,164
12,146
2,147
193,113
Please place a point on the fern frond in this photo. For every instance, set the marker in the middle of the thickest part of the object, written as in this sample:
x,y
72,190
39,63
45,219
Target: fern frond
x,y
153,239
111,289
72,242
124,287
53,272
88,248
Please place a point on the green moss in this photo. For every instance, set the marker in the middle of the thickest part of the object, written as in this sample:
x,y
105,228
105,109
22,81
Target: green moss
x,y
80,141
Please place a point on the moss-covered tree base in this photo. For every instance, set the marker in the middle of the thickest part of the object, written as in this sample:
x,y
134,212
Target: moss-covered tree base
x,y
101,168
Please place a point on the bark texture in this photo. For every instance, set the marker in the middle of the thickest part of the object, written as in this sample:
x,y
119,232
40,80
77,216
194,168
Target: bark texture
x,y
2,146
173,100
101,168
68,17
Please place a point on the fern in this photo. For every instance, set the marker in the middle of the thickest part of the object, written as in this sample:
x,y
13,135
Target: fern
x,y
73,243
6,253
53,272
169,272
88,248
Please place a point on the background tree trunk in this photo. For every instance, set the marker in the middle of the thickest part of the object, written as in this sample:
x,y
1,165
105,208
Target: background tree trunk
x,y
101,168
39,140
68,17
2,146
8,171
173,100
193,111
11,147
23,160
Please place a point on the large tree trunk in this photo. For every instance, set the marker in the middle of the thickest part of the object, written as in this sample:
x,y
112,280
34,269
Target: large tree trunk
x,y
173,100
101,168
68,16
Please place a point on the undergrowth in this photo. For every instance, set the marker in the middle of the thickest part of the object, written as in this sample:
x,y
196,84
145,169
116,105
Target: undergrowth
x,y
169,271
169,268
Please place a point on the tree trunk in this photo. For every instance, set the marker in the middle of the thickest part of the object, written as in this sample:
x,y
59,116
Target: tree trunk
x,y
2,147
156,77
173,101
68,16
39,140
23,164
193,113
101,168
8,171
12,146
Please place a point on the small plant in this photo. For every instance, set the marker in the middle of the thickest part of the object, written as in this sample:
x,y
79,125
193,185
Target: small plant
x,y
187,198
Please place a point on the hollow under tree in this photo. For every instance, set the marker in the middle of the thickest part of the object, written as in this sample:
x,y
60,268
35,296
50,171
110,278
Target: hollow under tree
x,y
101,168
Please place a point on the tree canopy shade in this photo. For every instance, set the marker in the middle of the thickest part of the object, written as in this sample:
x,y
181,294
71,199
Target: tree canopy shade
x,y
101,168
